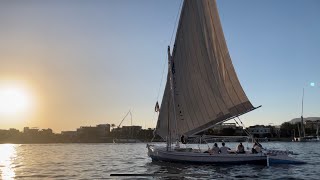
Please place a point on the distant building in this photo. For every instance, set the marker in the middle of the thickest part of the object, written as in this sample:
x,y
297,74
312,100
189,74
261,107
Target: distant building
x,y
69,133
126,131
69,136
260,131
131,128
131,131
87,132
32,130
13,131
222,129
46,131
97,133
104,129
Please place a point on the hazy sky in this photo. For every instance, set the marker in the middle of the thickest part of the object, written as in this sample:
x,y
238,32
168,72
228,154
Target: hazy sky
x,y
89,62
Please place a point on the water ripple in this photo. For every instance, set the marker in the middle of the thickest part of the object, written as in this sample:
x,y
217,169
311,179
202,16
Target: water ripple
x,y
98,161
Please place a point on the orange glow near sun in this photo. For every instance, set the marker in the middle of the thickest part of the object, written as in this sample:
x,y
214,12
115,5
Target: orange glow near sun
x,y
15,100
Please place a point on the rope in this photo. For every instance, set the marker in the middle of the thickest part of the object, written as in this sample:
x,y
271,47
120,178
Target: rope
x,y
245,130
175,25
248,133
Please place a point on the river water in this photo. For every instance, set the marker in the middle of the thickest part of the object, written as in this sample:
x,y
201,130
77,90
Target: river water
x,y
98,161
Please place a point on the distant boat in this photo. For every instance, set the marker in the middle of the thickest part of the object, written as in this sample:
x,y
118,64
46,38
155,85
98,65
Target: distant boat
x,y
302,133
202,90
315,138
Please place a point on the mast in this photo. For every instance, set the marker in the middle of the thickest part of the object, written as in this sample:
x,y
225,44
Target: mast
x,y
172,86
169,134
317,133
131,117
171,72
202,85
302,124
131,132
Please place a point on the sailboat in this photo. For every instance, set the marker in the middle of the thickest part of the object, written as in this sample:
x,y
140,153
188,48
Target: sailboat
x,y
302,133
202,90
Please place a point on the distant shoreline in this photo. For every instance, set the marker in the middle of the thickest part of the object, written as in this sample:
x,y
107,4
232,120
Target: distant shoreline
x,y
269,140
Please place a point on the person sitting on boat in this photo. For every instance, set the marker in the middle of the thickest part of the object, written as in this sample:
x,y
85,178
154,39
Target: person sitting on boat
x,y
256,148
183,139
215,149
224,149
240,149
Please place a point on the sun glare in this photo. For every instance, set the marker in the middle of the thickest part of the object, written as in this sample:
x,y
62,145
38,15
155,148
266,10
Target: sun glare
x,y
7,155
14,100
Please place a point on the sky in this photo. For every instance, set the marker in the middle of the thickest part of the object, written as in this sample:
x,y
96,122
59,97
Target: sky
x,y
85,63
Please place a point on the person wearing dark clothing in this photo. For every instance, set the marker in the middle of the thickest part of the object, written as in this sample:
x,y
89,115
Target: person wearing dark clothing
x,y
256,148
240,149
183,140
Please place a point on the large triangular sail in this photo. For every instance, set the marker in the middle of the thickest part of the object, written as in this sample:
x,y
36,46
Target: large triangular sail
x,y
205,85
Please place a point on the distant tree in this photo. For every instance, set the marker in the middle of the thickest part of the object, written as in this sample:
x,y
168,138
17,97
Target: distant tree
x,y
113,126
228,132
210,132
286,129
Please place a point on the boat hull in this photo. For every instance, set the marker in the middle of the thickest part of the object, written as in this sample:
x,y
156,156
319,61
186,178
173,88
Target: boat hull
x,y
306,139
126,141
282,159
161,154
190,156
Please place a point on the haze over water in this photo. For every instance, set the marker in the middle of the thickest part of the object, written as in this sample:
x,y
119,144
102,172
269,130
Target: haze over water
x,y
79,63
94,161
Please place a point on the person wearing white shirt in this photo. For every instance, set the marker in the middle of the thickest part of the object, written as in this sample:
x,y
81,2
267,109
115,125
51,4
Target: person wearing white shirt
x,y
224,149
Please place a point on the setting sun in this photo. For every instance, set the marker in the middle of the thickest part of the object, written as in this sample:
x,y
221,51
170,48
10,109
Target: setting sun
x,y
14,100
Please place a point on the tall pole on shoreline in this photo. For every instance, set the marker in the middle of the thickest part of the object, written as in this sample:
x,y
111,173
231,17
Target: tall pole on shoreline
x,y
302,124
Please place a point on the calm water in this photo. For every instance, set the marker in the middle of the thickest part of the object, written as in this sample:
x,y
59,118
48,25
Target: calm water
x,y
95,161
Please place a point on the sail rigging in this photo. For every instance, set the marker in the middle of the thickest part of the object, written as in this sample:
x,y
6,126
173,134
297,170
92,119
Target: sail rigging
x,y
202,90
206,89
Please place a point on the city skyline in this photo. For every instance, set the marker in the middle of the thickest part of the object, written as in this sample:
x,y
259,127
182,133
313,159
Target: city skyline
x,y
84,63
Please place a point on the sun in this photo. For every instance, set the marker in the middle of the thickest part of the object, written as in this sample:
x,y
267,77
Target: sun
x,y
14,100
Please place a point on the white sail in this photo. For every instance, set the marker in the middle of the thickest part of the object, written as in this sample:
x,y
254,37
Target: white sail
x,y
205,85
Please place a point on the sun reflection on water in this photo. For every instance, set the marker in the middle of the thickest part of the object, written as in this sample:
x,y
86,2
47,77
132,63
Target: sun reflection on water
x,y
7,155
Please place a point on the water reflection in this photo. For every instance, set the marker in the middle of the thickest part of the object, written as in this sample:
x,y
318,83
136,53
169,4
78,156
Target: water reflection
x,y
194,171
7,155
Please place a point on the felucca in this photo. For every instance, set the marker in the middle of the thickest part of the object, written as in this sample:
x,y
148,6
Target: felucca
x,y
202,89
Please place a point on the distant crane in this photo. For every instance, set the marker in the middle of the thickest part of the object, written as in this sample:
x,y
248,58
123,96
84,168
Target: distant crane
x,y
129,112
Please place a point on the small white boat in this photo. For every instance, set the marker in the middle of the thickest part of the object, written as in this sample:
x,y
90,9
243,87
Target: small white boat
x,y
306,139
202,90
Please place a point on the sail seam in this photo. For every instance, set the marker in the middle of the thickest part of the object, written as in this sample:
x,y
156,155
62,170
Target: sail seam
x,y
187,67
195,64
187,113
221,54
229,59
186,93
206,73
194,39
212,72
